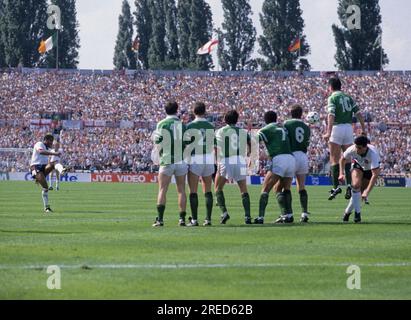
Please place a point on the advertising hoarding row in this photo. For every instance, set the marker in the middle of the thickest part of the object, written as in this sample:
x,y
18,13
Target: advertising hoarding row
x,y
110,177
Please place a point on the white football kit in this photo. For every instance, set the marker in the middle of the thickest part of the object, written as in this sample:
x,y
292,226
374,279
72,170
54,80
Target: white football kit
x,y
37,158
369,161
56,158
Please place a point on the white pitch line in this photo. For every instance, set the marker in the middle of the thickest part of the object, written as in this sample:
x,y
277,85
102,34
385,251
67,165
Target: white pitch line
x,y
206,266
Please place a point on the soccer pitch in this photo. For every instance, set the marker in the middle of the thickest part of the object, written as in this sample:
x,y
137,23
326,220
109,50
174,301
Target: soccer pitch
x,y
101,238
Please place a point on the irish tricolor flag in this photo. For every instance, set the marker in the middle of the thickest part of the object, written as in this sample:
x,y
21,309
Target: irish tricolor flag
x,y
50,43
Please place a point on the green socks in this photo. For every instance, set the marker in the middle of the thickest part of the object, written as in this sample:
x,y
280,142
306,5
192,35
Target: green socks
x,y
335,172
288,201
246,204
221,201
304,200
160,211
281,202
209,204
194,205
263,204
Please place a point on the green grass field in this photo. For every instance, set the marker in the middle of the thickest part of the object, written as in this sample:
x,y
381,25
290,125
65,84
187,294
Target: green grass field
x,y
101,237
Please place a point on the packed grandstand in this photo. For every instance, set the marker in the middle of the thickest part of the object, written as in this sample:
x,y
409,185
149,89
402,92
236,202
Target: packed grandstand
x,y
105,119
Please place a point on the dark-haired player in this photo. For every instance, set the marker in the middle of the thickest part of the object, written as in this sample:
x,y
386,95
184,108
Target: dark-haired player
x,y
277,143
339,132
365,169
40,166
168,138
233,145
299,135
200,133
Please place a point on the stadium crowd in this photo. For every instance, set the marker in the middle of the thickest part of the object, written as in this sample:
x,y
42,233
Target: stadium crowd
x,y
384,98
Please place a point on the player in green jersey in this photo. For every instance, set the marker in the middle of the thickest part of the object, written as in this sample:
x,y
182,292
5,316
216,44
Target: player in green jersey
x,y
339,132
200,152
277,143
233,146
168,138
299,134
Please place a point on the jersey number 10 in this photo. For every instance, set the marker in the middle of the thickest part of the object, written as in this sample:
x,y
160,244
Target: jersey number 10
x,y
345,102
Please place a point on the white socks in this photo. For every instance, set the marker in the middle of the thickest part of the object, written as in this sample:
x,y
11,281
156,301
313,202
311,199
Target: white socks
x,y
45,196
350,206
356,199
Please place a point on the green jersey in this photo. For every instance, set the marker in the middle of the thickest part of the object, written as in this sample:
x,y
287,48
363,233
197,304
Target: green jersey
x,y
232,141
299,134
169,133
199,135
342,106
276,139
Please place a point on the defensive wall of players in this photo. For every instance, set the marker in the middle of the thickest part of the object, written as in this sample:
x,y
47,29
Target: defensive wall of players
x,y
109,177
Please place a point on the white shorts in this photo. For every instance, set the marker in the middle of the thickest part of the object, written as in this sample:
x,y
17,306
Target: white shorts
x,y
176,169
301,162
234,167
342,134
202,165
202,170
283,165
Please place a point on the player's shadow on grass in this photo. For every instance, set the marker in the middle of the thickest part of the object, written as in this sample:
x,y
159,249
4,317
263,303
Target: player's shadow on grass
x,y
37,231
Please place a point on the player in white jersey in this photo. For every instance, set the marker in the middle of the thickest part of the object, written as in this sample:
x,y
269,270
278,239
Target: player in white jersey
x,y
59,170
40,166
365,169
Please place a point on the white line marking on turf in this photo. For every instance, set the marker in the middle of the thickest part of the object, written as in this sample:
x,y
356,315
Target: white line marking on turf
x,y
206,266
